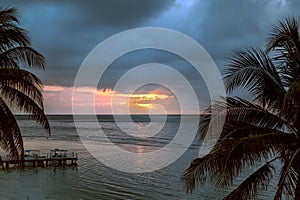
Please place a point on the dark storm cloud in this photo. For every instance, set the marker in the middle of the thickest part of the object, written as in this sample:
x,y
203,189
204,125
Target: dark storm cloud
x,y
224,26
98,12
65,31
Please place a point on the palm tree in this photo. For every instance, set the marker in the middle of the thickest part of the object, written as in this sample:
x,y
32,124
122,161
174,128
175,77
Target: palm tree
x,y
261,134
19,89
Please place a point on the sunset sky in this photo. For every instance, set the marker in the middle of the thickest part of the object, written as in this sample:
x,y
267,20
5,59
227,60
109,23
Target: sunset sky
x,y
66,31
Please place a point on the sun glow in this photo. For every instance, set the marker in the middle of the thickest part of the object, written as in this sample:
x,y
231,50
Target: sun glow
x,y
145,105
144,102
59,99
144,96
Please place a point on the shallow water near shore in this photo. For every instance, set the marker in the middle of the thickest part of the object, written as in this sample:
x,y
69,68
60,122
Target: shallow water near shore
x,y
92,179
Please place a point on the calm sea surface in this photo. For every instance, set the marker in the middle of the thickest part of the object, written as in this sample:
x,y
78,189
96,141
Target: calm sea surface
x,y
94,180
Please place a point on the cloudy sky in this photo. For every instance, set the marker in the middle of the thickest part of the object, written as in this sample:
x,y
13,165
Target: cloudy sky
x,y
66,31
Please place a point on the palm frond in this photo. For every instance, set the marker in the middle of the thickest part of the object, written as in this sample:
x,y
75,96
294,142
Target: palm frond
x,y
197,173
244,118
286,31
6,62
15,130
20,75
19,88
24,82
256,182
246,152
10,33
9,15
284,46
22,102
288,178
12,36
7,132
24,56
291,103
231,156
255,130
253,71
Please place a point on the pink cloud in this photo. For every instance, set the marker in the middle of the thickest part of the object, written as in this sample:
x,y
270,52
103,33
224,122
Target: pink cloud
x,y
58,100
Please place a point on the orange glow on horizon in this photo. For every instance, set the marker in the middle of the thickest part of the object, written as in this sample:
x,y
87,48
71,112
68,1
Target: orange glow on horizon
x,y
59,99
144,105
149,96
52,88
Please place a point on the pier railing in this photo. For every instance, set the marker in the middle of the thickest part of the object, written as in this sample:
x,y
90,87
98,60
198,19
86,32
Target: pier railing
x,y
34,158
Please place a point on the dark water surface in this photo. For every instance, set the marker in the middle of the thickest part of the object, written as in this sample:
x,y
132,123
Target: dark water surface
x,y
92,179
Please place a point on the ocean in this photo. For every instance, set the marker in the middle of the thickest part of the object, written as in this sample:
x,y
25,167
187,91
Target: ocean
x,y
94,180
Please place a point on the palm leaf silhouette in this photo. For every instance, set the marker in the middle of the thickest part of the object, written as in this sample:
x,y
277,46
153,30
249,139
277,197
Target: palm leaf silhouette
x,y
260,130
19,88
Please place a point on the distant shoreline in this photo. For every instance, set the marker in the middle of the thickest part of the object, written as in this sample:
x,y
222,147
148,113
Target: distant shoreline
x,y
110,118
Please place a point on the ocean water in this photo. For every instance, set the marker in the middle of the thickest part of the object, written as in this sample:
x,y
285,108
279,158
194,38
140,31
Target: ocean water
x,y
94,180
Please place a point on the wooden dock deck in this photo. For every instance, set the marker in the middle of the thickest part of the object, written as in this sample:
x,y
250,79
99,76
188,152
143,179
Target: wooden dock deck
x,y
54,158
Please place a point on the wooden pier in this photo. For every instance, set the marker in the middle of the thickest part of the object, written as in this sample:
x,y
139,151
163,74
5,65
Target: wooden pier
x,y
56,157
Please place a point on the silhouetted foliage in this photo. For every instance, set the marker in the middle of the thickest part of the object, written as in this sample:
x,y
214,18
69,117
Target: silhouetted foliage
x,y
261,130
20,89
